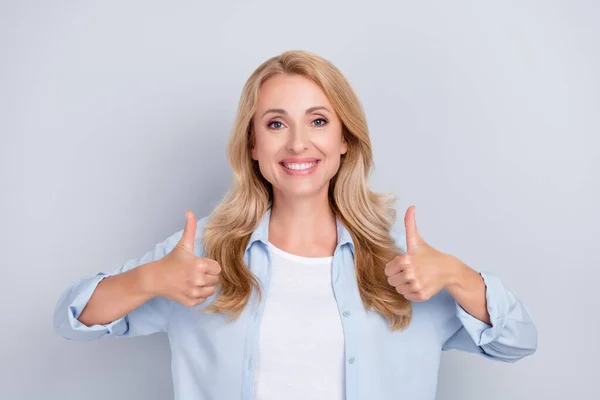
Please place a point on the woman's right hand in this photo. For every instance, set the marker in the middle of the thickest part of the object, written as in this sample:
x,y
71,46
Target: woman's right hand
x,y
181,275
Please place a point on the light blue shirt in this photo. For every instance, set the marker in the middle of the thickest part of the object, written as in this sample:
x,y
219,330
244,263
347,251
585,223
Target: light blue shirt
x,y
213,359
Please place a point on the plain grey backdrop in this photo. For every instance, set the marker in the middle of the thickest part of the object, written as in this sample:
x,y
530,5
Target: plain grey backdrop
x,y
114,121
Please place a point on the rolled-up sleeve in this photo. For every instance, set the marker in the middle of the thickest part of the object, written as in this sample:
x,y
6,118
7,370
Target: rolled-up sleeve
x,y
512,335
150,317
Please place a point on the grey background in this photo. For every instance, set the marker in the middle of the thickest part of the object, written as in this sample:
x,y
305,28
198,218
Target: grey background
x,y
114,120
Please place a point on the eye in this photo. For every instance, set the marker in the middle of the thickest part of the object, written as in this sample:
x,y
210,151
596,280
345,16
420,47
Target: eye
x,y
274,122
324,121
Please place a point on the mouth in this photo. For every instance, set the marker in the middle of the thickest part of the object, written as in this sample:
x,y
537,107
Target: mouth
x,y
300,166
300,169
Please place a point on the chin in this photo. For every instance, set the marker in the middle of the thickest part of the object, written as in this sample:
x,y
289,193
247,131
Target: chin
x,y
303,190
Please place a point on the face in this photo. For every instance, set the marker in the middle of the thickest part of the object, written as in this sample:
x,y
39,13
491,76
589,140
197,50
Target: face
x,y
298,136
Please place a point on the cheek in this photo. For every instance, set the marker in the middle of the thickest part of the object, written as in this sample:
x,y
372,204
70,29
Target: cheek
x,y
331,141
332,149
264,149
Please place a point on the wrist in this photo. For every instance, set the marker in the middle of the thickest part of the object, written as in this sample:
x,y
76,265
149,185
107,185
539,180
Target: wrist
x,y
146,279
456,273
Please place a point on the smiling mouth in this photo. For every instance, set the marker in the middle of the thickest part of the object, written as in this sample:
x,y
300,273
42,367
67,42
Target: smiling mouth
x,y
299,166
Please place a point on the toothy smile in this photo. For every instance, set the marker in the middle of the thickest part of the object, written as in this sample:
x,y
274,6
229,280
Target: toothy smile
x,y
299,166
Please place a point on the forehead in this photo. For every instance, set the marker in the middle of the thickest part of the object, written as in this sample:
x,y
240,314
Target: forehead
x,y
291,91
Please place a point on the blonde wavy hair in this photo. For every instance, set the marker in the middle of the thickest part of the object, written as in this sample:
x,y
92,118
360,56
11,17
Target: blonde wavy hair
x,y
368,216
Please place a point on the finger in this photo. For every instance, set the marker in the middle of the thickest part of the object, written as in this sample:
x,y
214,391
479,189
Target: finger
x,y
208,280
413,238
396,280
191,301
211,267
203,292
189,232
416,296
397,265
405,288
408,274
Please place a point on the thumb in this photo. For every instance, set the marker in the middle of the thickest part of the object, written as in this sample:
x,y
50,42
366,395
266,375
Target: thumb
x,y
413,238
189,232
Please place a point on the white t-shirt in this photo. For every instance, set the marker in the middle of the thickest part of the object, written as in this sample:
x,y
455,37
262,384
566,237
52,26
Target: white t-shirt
x,y
301,342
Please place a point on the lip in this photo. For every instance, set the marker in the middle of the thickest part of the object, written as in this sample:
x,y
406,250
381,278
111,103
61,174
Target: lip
x,y
299,160
303,172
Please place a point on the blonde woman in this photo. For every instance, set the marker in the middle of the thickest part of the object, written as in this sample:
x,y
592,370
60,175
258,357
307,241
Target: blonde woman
x,y
297,285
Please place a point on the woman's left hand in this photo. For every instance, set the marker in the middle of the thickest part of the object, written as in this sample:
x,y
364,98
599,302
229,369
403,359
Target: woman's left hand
x,y
422,271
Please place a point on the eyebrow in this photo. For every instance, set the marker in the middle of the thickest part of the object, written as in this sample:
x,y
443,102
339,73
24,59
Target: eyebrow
x,y
282,111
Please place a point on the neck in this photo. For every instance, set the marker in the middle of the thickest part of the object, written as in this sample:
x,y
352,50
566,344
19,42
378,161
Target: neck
x,y
303,223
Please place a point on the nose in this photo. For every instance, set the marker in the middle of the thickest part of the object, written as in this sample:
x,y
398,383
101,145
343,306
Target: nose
x,y
297,140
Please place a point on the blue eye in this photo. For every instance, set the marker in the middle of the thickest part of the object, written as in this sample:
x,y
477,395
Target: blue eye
x,y
273,122
321,119
322,122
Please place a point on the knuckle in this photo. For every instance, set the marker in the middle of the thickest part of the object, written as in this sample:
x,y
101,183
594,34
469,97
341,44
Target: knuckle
x,y
420,296
200,264
200,280
389,269
215,266
199,277
210,290
189,302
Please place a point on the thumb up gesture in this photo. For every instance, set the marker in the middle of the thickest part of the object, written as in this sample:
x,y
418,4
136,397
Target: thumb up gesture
x,y
422,271
181,275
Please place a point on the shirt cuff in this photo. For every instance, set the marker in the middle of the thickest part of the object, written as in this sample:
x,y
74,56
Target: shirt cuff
x,y
81,296
498,306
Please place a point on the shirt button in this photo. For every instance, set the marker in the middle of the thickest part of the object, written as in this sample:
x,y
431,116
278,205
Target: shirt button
x,y
351,360
346,314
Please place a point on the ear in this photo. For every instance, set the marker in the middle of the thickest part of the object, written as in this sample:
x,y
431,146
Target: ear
x,y
344,146
254,155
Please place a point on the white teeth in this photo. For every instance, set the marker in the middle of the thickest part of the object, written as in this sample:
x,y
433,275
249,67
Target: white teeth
x,y
300,166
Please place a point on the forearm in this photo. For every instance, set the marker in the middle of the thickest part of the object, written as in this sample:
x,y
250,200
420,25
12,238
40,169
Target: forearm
x,y
116,296
468,289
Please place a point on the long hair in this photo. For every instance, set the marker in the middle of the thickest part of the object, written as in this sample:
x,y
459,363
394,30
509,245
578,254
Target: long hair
x,y
368,216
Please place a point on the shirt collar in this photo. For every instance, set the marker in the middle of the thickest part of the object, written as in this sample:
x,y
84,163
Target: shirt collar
x,y
261,233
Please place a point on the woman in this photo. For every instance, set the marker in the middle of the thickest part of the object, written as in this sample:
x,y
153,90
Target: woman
x,y
297,286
